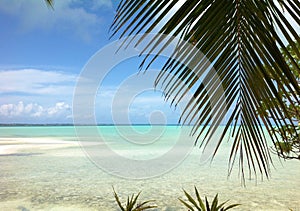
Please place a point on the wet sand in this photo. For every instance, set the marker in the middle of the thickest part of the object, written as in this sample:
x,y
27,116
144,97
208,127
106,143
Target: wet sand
x,y
55,174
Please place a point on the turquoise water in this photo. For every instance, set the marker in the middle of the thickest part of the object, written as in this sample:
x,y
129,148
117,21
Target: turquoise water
x,y
49,169
70,131
37,131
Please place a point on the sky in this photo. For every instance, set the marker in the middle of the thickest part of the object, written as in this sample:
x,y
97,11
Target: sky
x,y
44,51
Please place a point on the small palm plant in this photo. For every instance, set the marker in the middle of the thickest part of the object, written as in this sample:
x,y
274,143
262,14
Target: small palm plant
x,y
204,205
132,205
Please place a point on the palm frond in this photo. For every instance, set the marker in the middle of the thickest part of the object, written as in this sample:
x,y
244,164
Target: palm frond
x,y
204,205
118,200
240,39
132,204
50,3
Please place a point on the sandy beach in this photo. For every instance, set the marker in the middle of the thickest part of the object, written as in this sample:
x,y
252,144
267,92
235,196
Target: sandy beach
x,y
9,146
54,173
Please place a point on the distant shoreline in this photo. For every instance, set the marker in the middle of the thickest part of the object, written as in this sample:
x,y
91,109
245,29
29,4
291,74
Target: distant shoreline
x,y
72,125
55,125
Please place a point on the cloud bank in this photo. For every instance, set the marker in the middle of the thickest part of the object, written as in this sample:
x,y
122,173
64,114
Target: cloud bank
x,y
35,113
36,96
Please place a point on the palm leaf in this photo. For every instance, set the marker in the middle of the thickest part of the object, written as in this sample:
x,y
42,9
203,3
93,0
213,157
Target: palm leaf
x,y
118,200
143,206
207,204
50,3
201,204
241,39
214,203
186,204
204,207
191,200
131,203
231,206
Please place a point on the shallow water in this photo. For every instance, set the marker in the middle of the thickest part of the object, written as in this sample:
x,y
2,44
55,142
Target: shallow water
x,y
62,177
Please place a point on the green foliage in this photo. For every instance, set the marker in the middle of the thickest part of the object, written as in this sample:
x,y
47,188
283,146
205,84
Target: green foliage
x,y
287,144
289,147
242,39
132,204
200,205
285,147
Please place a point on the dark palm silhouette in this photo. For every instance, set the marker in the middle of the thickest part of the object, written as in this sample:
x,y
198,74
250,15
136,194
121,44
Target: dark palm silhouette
x,y
241,39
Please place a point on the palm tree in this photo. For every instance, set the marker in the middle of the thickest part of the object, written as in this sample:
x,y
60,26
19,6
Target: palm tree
x,y
290,147
241,39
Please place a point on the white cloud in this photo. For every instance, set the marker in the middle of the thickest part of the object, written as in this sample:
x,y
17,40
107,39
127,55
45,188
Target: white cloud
x,y
34,110
51,92
67,15
58,108
32,81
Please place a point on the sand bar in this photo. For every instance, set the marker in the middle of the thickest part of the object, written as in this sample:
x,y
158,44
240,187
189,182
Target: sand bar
x,y
16,145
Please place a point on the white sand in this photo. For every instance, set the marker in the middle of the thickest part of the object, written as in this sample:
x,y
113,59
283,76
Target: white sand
x,y
62,178
25,205
16,145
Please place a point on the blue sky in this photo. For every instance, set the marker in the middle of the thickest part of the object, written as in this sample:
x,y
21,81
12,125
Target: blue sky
x,y
42,54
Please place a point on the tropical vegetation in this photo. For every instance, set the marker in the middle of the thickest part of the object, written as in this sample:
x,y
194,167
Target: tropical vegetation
x,y
242,40
289,145
132,203
200,205
192,203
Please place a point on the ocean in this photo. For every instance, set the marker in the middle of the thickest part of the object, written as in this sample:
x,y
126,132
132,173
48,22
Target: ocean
x,y
68,168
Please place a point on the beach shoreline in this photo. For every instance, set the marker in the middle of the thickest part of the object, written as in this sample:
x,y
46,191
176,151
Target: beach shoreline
x,y
54,173
16,145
